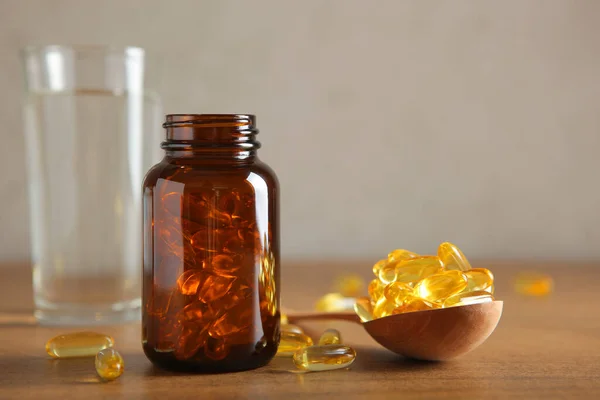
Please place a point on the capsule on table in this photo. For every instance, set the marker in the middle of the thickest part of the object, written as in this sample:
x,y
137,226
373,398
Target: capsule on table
x,y
350,285
291,328
452,258
534,284
330,336
324,358
109,364
291,342
479,279
364,309
78,344
415,304
334,302
468,298
439,286
415,269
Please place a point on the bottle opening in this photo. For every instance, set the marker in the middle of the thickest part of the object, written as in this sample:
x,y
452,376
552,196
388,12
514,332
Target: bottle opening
x,y
211,130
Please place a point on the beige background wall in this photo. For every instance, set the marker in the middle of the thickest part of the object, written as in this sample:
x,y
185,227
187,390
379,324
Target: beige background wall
x,y
390,123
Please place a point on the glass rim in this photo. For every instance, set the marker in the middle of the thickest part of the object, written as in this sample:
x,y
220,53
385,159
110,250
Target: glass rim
x,y
103,48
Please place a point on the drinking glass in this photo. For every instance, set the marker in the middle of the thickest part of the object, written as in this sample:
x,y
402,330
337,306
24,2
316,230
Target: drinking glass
x,y
91,130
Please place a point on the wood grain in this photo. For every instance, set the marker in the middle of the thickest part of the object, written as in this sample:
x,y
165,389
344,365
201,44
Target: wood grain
x,y
543,348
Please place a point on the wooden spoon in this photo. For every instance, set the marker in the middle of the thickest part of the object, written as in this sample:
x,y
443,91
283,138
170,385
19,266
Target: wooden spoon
x,y
438,334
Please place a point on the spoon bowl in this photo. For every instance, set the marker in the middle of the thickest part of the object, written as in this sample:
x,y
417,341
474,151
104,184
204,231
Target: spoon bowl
x,y
435,335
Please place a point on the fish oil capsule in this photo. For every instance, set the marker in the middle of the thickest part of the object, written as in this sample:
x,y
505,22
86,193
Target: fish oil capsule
x,y
375,289
330,336
291,328
383,308
364,309
452,258
534,284
324,358
78,344
334,302
479,279
109,364
350,285
291,342
378,266
387,274
414,269
401,254
283,317
415,304
467,298
437,287
398,292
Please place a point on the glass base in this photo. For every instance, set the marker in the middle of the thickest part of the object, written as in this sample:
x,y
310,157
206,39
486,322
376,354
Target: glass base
x,y
73,314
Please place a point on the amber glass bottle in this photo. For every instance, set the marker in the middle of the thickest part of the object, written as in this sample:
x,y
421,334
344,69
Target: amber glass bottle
x,y
211,248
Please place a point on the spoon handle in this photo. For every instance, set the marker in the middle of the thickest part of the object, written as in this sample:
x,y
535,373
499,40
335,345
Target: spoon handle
x,y
343,316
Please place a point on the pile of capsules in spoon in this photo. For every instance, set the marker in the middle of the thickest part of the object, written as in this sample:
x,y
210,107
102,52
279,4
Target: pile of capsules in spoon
x,y
407,282
108,362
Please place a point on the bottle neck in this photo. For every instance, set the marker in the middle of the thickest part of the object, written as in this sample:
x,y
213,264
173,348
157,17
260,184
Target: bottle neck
x,y
215,138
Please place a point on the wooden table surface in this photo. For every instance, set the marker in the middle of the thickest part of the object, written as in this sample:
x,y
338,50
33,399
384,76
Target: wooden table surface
x,y
543,348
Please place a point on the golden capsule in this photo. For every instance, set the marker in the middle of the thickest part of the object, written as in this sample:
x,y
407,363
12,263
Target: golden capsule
x,y
415,269
479,279
387,274
351,285
401,254
291,342
398,292
467,298
363,309
534,284
78,344
324,358
383,308
439,286
283,318
375,289
452,258
334,302
291,328
378,265
109,364
415,304
330,336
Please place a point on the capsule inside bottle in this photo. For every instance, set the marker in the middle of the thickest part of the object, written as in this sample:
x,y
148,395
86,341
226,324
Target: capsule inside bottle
x,y
324,358
78,344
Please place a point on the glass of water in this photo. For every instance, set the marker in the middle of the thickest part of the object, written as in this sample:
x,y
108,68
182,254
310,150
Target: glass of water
x,y
91,130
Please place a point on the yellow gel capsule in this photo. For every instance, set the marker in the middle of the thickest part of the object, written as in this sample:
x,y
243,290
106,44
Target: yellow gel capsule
x,y
387,274
383,308
401,254
467,298
324,358
534,284
283,318
330,336
398,292
334,302
350,285
375,289
415,269
291,342
415,304
291,328
378,265
109,364
364,309
452,258
439,286
79,344
479,279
